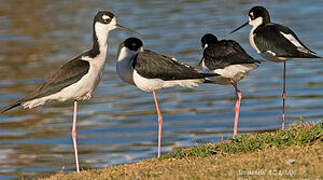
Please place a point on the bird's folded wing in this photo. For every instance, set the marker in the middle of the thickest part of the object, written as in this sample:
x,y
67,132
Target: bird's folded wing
x,y
279,41
151,65
68,74
226,53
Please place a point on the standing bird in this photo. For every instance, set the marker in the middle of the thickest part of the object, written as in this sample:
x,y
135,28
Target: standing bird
x,y
274,42
77,79
150,71
230,61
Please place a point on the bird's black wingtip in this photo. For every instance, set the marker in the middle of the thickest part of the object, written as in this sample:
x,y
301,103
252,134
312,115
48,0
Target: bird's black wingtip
x,y
10,107
316,56
208,81
257,61
312,55
211,74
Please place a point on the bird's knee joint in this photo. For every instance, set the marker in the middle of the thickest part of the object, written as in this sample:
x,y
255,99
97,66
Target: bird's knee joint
x,y
160,120
74,134
284,95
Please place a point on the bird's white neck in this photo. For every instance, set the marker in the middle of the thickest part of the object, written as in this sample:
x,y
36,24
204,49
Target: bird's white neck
x,y
126,55
125,65
102,34
256,22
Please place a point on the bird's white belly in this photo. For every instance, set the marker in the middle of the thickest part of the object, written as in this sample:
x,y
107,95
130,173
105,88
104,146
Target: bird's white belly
x,y
233,73
150,85
146,84
271,57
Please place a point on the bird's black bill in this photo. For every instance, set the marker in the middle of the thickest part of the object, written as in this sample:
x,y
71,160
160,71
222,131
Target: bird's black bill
x,y
125,29
243,25
10,107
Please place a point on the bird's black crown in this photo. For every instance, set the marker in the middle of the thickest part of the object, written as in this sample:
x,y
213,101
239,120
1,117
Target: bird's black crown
x,y
259,11
133,43
208,39
100,17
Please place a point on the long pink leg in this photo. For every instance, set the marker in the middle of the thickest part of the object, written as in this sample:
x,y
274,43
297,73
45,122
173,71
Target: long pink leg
x,y
236,119
74,135
160,123
284,96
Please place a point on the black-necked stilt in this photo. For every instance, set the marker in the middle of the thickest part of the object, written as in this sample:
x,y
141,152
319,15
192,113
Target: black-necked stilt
x,y
78,78
274,42
150,71
230,61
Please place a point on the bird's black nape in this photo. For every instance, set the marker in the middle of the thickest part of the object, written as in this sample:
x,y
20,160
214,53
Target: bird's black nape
x,y
259,11
133,43
10,107
208,39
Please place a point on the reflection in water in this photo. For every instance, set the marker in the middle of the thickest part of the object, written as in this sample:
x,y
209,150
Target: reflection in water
x,y
119,124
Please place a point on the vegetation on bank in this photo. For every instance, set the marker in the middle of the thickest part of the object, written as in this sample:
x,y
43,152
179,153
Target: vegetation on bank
x,y
300,134
295,153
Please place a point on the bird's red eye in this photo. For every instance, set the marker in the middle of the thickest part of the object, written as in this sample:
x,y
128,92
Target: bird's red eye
x,y
251,16
108,20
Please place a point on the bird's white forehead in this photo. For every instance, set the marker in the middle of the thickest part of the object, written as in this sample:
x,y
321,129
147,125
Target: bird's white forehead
x,y
251,14
113,21
106,17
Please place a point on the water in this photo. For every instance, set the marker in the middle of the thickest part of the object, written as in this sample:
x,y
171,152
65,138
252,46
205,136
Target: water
x,y
119,124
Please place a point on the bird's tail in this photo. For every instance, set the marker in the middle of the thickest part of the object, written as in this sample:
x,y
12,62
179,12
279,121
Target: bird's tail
x,y
312,56
208,81
7,108
309,54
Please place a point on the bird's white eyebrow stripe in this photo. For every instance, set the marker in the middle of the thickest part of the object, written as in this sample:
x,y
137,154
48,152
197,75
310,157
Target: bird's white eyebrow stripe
x,y
106,17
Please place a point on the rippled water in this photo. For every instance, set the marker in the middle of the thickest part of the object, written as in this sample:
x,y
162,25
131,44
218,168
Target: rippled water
x,y
119,124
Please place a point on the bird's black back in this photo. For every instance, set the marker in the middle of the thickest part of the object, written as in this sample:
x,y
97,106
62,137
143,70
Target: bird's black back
x,y
268,37
225,53
151,65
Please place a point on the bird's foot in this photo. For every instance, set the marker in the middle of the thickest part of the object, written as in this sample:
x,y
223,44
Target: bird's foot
x,y
87,96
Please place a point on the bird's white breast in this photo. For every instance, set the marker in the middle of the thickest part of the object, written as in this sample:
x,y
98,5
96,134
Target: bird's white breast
x,y
125,71
124,65
203,64
252,41
94,75
255,24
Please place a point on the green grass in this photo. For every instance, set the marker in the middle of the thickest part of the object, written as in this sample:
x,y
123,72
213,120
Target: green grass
x,y
295,153
297,135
